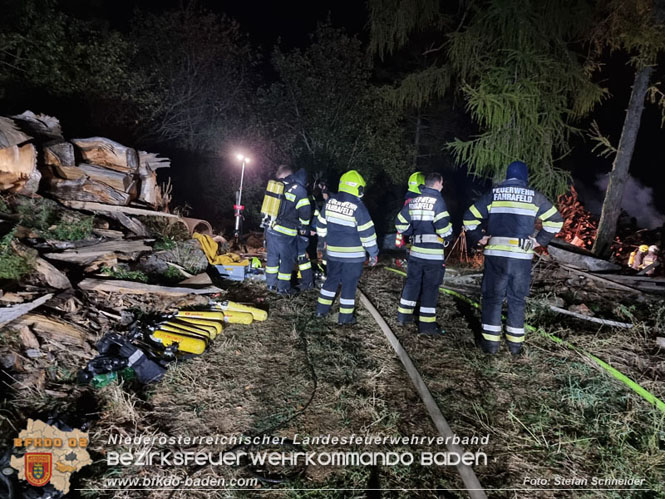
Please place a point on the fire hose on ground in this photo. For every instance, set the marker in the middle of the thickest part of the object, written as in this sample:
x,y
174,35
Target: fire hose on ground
x,y
633,385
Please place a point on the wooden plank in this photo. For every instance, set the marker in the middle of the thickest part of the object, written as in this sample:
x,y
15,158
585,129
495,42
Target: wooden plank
x,y
107,208
139,288
47,273
8,314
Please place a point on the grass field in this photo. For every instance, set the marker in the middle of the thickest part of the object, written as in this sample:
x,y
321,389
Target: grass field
x,y
551,415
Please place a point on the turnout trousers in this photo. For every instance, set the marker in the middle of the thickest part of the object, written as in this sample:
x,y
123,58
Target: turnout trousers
x,y
304,263
509,279
347,275
280,260
423,278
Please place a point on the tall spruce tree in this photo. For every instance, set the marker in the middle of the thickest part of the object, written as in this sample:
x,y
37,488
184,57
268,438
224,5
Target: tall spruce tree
x,y
515,65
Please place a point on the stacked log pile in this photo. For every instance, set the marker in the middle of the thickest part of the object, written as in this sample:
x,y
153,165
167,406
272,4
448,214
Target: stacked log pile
x,y
77,291
94,169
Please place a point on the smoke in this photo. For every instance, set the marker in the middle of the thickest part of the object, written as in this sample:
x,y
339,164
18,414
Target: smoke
x,y
637,202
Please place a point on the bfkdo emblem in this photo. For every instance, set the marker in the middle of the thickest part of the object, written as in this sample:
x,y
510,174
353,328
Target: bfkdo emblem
x,y
38,467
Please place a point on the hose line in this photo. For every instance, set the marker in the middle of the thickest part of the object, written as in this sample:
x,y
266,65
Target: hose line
x,y
633,385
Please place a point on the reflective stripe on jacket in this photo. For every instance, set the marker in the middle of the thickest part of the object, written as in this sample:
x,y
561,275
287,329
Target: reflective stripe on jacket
x,y
345,224
510,210
295,210
426,218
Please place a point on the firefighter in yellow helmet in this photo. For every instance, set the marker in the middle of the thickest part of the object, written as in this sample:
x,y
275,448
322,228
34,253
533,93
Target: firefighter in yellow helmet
x,y
345,224
414,186
636,257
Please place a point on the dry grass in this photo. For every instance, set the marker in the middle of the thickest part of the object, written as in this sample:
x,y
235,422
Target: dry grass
x,y
552,413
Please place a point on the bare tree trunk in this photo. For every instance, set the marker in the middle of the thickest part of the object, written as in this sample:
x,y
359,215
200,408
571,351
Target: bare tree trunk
x,y
417,142
612,204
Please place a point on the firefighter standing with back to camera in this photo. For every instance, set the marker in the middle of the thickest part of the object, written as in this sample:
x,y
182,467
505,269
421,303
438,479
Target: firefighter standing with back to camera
x,y
348,230
427,221
508,214
293,218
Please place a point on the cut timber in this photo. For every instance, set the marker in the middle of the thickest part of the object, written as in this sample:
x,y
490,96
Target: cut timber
x,y
17,163
105,152
41,126
9,314
84,190
68,172
89,254
49,327
139,288
575,257
60,154
10,135
119,181
105,208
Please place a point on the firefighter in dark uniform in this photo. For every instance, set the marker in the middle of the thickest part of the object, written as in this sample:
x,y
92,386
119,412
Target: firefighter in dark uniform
x,y
348,230
294,216
426,220
508,214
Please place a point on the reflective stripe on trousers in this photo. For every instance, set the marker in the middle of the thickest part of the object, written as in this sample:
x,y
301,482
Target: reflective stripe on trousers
x,y
347,275
509,279
423,278
280,260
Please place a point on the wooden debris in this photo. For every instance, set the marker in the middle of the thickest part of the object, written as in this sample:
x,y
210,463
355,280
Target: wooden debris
x,y
131,224
39,125
28,339
109,233
11,298
106,152
9,314
89,254
10,134
83,189
604,322
131,287
108,209
581,309
43,269
60,155
604,279
53,328
119,181
17,164
199,279
575,257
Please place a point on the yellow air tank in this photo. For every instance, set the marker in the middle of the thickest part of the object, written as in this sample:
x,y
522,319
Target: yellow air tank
x,y
271,201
